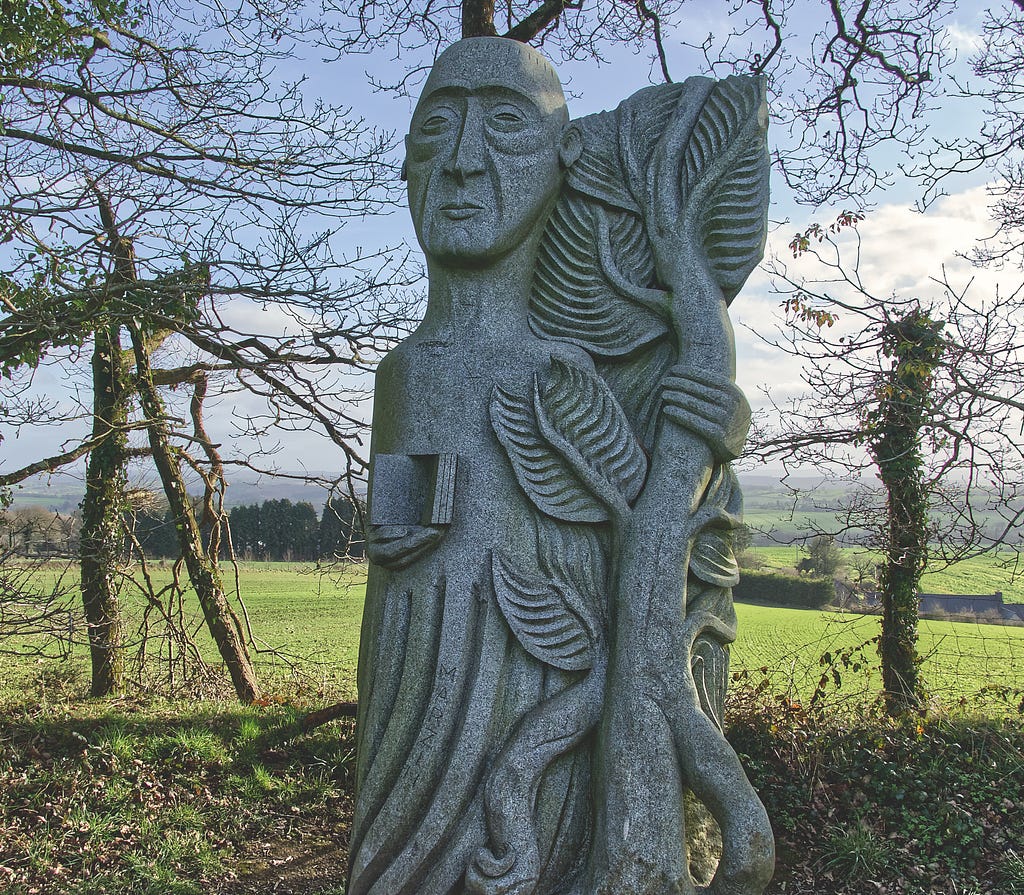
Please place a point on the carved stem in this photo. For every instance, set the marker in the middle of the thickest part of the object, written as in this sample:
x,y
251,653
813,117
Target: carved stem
x,y
511,862
653,724
640,837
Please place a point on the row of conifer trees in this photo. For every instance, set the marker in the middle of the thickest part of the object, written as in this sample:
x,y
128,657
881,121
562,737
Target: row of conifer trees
x,y
275,530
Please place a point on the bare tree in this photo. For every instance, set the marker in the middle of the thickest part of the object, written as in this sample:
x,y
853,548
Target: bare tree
x,y
154,167
923,392
997,149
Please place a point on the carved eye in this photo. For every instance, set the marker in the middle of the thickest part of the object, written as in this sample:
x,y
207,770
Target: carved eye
x,y
506,119
437,122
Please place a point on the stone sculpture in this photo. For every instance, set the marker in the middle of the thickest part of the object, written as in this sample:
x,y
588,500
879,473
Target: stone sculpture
x,y
545,644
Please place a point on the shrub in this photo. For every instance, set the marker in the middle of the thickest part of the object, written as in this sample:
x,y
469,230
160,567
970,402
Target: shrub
x,y
822,558
784,590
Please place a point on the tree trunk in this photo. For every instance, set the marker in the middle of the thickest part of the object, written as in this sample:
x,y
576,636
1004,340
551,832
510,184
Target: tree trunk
x,y
905,559
102,532
915,344
224,625
478,18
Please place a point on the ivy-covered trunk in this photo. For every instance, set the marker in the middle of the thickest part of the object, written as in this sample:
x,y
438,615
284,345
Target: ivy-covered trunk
x,y
223,623
102,536
915,345
905,558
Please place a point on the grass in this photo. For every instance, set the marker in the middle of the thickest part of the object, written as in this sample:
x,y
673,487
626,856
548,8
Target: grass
x,y
307,628
305,624
309,616
155,797
855,850
960,659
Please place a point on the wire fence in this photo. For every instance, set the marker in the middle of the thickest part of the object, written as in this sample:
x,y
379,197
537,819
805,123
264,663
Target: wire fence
x,y
833,656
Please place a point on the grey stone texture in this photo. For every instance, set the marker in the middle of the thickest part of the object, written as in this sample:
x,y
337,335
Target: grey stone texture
x,y
544,654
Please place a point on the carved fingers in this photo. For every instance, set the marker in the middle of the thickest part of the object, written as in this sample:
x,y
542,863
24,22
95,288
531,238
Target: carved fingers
x,y
710,406
398,546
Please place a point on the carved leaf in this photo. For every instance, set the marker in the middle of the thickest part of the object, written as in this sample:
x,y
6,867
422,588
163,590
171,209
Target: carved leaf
x,y
573,298
552,486
540,617
576,555
712,559
709,664
725,174
579,416
642,120
598,171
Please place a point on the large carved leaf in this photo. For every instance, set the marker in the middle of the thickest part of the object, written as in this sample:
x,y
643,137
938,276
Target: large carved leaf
x,y
574,299
578,415
538,613
545,477
642,119
598,171
572,448
617,147
724,177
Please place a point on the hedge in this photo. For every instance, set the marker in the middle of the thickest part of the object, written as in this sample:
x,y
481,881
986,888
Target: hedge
x,y
784,590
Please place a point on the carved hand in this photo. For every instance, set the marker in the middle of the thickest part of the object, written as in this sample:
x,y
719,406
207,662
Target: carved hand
x,y
398,546
710,406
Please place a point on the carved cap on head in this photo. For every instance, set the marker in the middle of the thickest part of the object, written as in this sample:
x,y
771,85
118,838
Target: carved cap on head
x,y
498,62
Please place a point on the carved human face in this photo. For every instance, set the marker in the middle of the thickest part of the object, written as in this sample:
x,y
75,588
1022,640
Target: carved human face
x,y
482,163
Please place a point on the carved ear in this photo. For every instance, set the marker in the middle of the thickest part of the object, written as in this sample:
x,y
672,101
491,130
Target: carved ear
x,y
404,173
572,146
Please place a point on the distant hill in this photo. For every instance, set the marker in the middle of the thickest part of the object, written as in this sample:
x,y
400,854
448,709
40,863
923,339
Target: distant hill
x,y
63,494
777,512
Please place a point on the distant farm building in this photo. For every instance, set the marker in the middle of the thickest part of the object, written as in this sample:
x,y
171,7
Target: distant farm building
x,y
974,607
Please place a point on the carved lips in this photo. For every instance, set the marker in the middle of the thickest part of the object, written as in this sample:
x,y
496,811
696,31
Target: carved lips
x,y
460,211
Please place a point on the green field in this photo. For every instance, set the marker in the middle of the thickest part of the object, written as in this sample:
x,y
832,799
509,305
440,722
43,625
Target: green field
x,y
979,575
306,627
308,617
304,622
960,659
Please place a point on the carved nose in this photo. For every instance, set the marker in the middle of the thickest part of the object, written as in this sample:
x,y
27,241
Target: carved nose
x,y
467,156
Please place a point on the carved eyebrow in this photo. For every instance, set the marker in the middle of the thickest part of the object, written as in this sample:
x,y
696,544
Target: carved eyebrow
x,y
508,95
492,92
446,92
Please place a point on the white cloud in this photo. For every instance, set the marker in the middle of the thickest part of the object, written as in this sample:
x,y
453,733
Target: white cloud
x,y
903,253
963,38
